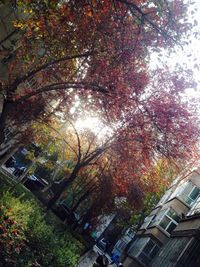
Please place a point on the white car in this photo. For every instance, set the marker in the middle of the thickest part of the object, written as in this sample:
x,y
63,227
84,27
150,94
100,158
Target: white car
x,y
100,247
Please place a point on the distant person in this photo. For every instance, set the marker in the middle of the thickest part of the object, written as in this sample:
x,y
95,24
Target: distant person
x,y
100,262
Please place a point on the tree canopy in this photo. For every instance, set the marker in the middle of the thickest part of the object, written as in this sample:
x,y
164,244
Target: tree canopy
x,y
94,55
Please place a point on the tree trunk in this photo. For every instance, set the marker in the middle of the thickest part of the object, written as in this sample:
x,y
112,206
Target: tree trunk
x,y
22,178
3,116
73,175
62,185
83,197
48,187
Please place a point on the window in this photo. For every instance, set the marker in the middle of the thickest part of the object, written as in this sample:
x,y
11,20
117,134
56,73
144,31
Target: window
x,y
195,208
8,134
31,83
130,232
102,244
187,192
167,219
144,249
157,218
190,193
149,252
137,245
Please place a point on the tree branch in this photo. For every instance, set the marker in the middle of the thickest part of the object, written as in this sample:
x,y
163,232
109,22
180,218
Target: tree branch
x,y
44,66
60,86
145,18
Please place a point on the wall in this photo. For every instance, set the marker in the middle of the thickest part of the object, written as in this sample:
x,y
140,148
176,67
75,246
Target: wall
x,y
177,205
189,224
195,178
157,233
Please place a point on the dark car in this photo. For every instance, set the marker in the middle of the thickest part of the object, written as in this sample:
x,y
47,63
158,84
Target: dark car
x,y
19,171
10,163
66,214
34,183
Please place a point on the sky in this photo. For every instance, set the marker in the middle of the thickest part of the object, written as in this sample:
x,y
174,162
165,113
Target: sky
x,y
188,55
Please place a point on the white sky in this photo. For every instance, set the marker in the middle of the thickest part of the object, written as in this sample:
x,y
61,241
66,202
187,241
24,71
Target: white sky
x,y
189,55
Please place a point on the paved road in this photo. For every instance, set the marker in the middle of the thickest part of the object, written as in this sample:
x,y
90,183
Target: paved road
x,y
88,259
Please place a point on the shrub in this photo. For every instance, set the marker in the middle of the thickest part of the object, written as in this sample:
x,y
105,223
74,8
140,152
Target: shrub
x,y
27,239
12,238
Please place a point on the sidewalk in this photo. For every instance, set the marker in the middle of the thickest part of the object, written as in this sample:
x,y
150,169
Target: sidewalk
x,y
87,260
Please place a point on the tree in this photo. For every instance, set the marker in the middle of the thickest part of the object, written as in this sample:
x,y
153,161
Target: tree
x,y
117,36
106,70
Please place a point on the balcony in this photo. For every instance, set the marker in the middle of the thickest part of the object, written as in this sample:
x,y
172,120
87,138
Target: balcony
x,y
166,220
144,249
187,192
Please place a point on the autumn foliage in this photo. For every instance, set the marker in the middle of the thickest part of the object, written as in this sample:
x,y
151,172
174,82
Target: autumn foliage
x,y
97,53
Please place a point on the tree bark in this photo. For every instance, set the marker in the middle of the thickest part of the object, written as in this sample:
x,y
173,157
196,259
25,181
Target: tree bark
x,y
31,73
3,118
67,181
62,185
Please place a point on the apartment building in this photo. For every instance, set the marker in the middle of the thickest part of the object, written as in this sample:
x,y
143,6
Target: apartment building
x,y
123,242
169,235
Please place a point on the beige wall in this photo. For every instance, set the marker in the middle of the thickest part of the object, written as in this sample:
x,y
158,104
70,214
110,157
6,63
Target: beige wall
x,y
177,205
195,178
191,224
140,231
157,233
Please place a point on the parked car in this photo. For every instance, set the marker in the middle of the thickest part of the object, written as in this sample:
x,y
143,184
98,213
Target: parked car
x,y
34,183
11,162
66,214
100,247
19,171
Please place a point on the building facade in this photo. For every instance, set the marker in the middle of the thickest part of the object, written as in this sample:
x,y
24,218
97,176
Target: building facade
x,y
170,233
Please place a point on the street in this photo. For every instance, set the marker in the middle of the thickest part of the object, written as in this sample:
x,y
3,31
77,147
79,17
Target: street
x,y
87,259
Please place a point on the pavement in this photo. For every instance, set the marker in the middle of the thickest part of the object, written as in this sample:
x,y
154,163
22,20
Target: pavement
x,y
87,259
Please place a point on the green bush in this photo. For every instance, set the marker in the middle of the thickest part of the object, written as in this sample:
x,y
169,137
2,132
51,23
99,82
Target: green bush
x,y
12,238
28,238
